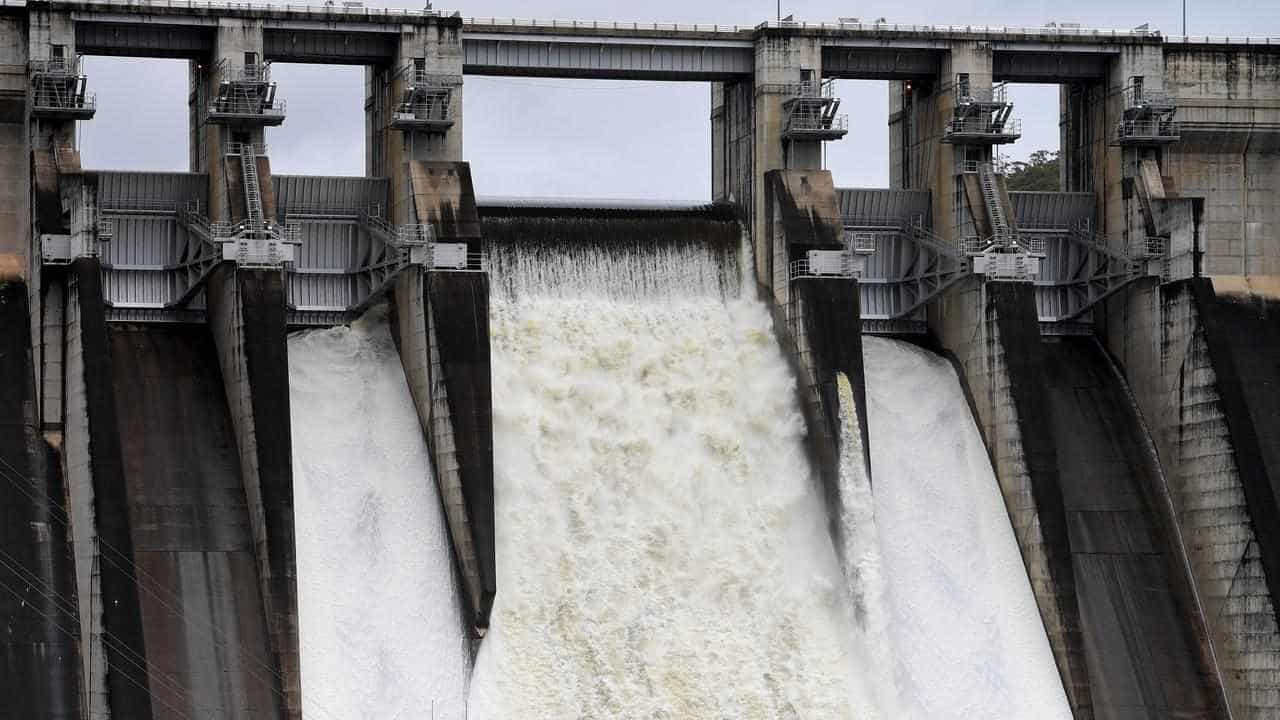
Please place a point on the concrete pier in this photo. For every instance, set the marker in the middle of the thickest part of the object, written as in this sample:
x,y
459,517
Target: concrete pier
x,y
441,326
815,317
247,321
99,492
40,670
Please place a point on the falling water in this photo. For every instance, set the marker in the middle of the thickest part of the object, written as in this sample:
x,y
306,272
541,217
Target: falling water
x,y
661,544
964,635
379,616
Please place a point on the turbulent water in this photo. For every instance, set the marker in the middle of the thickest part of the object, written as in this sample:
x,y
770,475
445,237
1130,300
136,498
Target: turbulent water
x,y
661,544
963,633
380,622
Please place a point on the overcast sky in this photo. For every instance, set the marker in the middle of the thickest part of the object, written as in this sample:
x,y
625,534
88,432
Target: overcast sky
x,y
594,138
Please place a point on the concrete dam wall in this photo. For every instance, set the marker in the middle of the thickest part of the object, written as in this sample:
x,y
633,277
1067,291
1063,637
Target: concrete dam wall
x,y
204,625
575,459
40,673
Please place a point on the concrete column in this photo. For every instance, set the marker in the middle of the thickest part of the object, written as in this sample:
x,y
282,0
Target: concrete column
x,y
39,649
247,319
441,327
390,151
48,30
81,497
127,680
918,116
817,320
781,55
732,143
15,153
234,38
991,330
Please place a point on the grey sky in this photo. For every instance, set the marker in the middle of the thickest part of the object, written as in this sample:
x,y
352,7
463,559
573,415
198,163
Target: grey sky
x,y
531,137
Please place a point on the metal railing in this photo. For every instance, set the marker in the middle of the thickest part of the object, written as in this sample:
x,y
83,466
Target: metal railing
x,y
814,89
425,78
817,121
436,109
66,157
327,9
57,99
1136,97
974,245
253,73
235,148
126,206
859,222
401,235
55,66
999,166
966,94
1040,31
344,10
247,106
1149,247
1152,129
318,210
1223,40
1033,244
862,242
605,25
983,126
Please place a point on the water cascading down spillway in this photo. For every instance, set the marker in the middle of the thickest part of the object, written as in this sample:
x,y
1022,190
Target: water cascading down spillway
x,y
380,615
663,547
947,600
661,544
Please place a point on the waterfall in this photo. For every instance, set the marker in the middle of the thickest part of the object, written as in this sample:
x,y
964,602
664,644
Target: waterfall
x,y
661,544
860,555
964,634
380,620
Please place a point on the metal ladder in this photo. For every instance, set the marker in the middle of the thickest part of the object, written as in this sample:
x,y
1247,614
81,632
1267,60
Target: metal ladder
x,y
991,196
252,193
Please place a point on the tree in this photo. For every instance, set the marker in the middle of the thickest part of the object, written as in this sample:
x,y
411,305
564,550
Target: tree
x,y
1040,172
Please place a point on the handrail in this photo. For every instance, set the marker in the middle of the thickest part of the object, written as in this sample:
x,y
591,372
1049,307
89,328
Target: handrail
x,y
983,125
52,99
1148,129
247,106
342,9
62,66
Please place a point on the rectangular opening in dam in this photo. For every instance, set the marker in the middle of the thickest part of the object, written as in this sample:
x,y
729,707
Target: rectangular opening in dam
x,y
611,139
324,129
1037,107
861,159
142,114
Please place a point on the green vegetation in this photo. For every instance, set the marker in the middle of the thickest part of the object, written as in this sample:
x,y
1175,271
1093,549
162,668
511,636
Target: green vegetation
x,y
1040,172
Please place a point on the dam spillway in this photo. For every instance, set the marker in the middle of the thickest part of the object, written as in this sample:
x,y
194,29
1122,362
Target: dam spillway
x,y
963,634
1115,343
652,493
381,623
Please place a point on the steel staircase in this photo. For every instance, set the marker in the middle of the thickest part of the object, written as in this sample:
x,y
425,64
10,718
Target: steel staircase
x,y
252,193
995,208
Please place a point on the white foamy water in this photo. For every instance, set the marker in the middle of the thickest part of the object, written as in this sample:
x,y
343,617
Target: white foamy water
x,y
661,546
965,637
863,566
379,614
